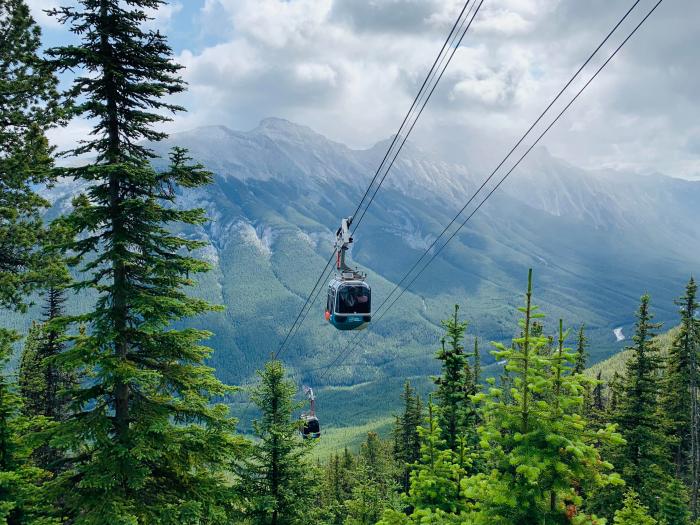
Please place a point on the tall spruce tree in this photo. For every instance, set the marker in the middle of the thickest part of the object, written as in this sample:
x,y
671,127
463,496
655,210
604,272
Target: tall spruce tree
x,y
278,480
537,450
149,447
455,384
643,460
676,402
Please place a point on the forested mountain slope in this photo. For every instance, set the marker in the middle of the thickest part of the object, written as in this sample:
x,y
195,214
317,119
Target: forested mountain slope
x,y
597,241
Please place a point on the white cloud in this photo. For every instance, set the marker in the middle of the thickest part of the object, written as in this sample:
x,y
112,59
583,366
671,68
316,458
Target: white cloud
x,y
350,69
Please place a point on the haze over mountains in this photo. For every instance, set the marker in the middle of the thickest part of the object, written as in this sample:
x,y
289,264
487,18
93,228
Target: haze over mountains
x,y
596,241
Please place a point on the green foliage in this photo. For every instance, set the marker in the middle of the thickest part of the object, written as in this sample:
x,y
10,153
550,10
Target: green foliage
x,y
277,482
407,443
43,384
673,507
146,443
29,107
537,449
22,501
375,488
633,512
642,461
676,403
581,353
435,480
455,385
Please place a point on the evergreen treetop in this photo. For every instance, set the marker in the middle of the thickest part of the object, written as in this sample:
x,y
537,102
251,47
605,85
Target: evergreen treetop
x,y
537,450
642,461
153,447
277,481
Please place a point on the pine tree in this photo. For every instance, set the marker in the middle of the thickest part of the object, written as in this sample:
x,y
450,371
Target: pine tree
x,y
537,449
581,354
21,499
29,108
477,366
152,447
435,493
43,383
31,381
673,506
633,512
375,488
406,436
277,481
642,461
615,386
455,383
676,400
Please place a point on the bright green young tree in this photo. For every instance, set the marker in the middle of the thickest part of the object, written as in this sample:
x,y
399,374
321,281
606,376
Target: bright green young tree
x,y
537,448
278,481
435,493
148,445
643,461
633,512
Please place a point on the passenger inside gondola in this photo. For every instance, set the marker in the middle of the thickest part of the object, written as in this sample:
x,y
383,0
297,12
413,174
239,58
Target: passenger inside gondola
x,y
353,300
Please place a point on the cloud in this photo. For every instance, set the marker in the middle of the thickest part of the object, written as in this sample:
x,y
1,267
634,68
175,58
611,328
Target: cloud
x,y
350,69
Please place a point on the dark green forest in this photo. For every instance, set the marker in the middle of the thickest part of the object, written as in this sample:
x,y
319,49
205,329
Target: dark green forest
x,y
113,414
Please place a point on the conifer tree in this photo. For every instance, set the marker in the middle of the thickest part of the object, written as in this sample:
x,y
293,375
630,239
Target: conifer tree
x,y
615,386
406,436
31,381
643,460
29,108
673,506
633,512
537,450
43,384
277,481
455,383
581,354
21,499
375,488
477,366
435,493
676,400
149,445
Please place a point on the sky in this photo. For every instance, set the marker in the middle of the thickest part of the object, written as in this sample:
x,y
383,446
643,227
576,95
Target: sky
x,y
349,69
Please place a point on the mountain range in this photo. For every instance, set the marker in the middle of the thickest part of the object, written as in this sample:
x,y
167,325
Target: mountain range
x,y
597,240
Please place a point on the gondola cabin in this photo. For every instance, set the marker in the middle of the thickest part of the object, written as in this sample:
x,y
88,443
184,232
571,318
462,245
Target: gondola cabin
x,y
311,429
349,304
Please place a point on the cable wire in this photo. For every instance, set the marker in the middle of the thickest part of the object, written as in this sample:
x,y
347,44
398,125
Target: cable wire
x,y
437,63
352,345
